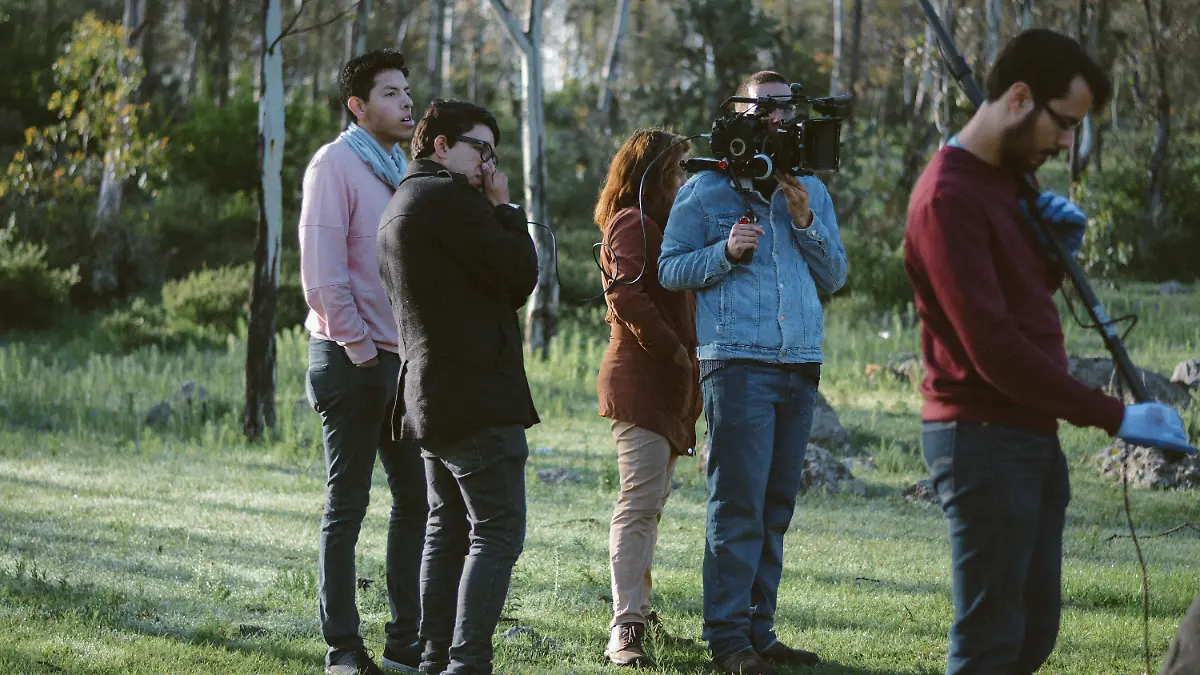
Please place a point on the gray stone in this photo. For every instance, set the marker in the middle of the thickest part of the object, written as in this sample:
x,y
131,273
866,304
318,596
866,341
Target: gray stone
x,y
1172,288
1149,468
558,475
159,415
906,368
1099,373
191,395
920,491
827,429
822,470
1187,374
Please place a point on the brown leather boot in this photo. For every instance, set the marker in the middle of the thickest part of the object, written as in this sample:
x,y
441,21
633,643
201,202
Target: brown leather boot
x,y
626,645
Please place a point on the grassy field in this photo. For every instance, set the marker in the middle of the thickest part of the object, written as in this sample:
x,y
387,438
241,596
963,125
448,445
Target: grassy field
x,y
127,549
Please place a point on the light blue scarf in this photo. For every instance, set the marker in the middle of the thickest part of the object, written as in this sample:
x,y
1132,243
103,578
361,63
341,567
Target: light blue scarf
x,y
389,167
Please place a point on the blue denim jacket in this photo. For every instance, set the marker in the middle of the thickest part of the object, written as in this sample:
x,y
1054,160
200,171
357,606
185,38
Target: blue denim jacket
x,y
767,310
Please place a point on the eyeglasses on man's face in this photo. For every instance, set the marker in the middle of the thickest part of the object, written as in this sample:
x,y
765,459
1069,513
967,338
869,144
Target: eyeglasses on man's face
x,y
1064,123
486,152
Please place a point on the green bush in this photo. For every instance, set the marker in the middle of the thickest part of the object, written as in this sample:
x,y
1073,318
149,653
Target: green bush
x,y
32,293
139,324
196,228
217,300
876,272
1119,240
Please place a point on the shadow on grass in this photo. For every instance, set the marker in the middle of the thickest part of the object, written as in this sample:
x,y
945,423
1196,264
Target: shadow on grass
x,y
57,601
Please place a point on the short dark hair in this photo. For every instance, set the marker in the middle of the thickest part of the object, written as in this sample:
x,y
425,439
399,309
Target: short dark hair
x,y
761,77
1047,62
450,118
358,75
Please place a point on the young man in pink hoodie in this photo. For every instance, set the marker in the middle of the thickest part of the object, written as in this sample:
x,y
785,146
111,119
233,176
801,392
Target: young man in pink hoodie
x,y
353,365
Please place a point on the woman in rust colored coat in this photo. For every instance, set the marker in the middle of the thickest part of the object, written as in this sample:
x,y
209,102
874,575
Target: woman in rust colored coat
x,y
648,378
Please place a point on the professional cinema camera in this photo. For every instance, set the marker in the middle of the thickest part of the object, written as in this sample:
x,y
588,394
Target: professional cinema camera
x,y
743,144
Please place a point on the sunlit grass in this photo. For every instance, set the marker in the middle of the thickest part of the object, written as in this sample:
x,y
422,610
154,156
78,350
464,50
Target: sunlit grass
x,y
183,549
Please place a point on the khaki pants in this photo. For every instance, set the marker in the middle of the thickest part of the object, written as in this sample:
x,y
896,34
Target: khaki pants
x,y
645,463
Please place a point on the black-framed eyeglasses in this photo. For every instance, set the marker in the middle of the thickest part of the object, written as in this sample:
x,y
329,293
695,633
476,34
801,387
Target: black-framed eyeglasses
x,y
486,152
1065,124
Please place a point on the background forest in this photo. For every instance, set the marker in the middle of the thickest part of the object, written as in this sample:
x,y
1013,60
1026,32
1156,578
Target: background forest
x,y
131,153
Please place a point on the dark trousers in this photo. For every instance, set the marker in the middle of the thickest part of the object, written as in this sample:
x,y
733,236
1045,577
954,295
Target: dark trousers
x,y
1005,493
759,418
354,403
476,532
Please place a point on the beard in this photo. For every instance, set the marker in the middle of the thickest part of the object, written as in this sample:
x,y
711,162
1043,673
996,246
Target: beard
x,y
1018,148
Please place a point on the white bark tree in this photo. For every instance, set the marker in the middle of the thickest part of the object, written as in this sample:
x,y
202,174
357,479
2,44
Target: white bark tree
x,y
835,74
612,59
259,413
542,309
106,237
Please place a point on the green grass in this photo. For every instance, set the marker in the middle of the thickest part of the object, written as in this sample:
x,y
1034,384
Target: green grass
x,y
125,549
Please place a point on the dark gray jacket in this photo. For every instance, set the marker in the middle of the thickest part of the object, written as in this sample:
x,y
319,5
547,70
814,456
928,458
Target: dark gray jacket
x,y
456,269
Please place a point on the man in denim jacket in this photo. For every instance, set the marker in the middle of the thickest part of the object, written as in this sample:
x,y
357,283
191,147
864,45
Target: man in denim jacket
x,y
760,329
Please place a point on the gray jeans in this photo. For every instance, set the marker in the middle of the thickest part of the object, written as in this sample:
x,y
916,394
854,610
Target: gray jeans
x,y
354,403
476,532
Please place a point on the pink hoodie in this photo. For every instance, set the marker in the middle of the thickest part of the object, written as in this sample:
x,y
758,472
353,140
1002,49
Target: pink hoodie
x,y
339,221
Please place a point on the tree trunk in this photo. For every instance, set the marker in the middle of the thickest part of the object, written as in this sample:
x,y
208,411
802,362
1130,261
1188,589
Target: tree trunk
x,y
259,413
445,85
608,77
221,71
835,74
437,15
542,310
317,52
856,20
361,24
1157,170
994,11
107,239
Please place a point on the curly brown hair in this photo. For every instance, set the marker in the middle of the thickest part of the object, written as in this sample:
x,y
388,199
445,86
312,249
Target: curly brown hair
x,y
620,188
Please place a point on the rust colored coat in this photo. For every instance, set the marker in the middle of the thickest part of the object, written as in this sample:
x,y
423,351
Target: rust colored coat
x,y
639,380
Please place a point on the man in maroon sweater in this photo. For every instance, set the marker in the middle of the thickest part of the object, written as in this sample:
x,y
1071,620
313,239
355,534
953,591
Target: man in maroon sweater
x,y
992,342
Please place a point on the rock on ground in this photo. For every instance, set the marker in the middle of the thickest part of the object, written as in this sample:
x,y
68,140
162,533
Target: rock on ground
x,y
1149,468
1100,373
822,470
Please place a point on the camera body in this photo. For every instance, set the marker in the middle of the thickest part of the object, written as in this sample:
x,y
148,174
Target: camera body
x,y
744,143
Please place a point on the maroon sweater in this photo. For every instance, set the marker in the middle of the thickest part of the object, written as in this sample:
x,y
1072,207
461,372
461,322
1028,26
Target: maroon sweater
x,y
991,336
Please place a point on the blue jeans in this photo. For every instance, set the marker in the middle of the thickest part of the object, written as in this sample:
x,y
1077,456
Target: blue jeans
x,y
1005,492
759,417
476,532
354,403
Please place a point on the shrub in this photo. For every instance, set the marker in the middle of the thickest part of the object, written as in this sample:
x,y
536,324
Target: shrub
x,y
217,300
32,293
137,325
877,272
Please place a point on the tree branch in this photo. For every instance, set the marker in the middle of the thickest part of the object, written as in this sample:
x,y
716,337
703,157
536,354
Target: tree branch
x,y
515,32
1173,530
288,32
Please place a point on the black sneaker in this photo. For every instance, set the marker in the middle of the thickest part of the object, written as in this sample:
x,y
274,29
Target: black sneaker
x,y
359,662
402,659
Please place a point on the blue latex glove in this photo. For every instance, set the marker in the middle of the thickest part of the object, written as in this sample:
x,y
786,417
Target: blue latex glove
x,y
1066,219
1154,425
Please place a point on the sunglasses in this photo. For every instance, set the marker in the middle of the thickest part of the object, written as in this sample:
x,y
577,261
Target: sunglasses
x,y
486,152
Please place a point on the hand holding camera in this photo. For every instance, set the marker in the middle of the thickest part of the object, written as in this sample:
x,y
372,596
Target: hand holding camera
x,y
797,199
742,238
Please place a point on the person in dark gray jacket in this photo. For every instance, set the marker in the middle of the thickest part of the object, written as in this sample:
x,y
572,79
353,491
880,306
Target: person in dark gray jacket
x,y
457,262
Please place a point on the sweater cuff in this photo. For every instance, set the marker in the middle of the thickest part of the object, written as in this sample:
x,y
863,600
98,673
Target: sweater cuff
x,y
362,351
1111,415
